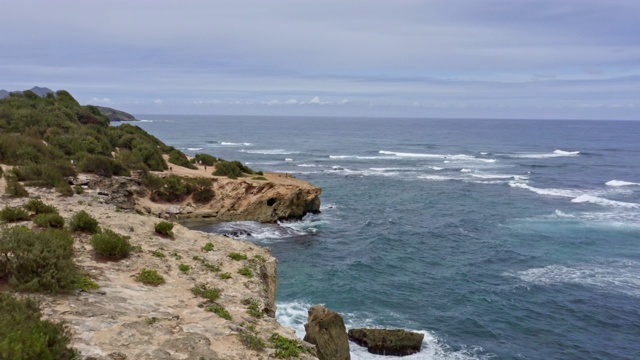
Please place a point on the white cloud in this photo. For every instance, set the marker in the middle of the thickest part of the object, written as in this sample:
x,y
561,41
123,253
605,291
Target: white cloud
x,y
100,101
157,101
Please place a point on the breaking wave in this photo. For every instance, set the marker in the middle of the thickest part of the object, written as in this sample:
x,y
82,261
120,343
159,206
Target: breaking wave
x,y
270,152
618,183
555,153
435,156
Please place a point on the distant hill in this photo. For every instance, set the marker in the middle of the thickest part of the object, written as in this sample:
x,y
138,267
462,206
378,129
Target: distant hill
x,y
40,91
3,94
116,115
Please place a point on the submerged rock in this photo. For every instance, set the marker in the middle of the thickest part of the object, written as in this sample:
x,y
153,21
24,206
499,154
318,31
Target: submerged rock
x,y
394,342
325,329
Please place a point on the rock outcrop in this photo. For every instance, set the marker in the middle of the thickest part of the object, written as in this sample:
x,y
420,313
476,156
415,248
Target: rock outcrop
x,y
325,329
394,342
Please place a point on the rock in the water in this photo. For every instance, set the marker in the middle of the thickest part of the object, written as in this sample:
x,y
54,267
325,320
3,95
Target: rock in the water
x,y
325,329
387,342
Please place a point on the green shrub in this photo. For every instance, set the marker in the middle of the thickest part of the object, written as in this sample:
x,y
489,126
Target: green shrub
x,y
111,245
237,256
203,291
13,214
164,228
78,189
206,159
220,311
84,222
203,196
184,268
102,165
150,277
246,272
225,276
15,190
25,335
38,260
250,339
86,284
158,253
229,169
64,189
47,175
259,178
204,262
254,309
178,158
49,221
38,207
207,247
285,348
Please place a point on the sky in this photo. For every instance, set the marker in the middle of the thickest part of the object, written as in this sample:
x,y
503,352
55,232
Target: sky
x,y
531,59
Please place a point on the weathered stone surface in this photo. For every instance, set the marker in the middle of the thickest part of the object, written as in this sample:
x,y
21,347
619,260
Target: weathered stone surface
x,y
394,342
325,329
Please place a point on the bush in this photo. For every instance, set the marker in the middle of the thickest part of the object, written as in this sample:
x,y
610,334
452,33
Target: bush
x,y
211,294
250,339
13,214
206,159
225,276
64,189
184,268
84,222
150,277
25,335
178,158
38,207
237,256
38,261
15,190
49,221
254,309
220,311
111,245
102,165
246,272
203,196
228,169
208,247
86,284
164,228
78,189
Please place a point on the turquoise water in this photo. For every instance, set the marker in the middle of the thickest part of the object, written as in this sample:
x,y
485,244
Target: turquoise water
x,y
495,238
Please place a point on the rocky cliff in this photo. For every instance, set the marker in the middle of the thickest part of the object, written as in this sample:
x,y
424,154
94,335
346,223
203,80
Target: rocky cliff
x,y
125,319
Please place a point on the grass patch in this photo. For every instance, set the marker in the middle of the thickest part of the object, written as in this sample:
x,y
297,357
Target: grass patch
x,y
237,256
285,347
246,272
158,254
37,207
15,190
254,309
249,338
208,247
220,311
203,291
184,268
86,284
209,266
150,277
225,276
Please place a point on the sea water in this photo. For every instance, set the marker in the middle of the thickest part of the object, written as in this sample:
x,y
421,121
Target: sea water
x,y
497,239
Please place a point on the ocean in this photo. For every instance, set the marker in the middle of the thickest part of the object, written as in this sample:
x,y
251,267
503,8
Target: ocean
x,y
497,239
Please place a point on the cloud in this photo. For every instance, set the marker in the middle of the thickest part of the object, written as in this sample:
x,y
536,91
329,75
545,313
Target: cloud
x,y
157,101
100,101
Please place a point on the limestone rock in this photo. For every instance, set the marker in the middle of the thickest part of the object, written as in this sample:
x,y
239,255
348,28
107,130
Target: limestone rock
x,y
325,329
394,342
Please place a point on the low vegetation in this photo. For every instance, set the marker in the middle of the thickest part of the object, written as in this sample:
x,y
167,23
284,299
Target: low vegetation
x,y
13,214
254,309
38,261
25,335
237,256
84,222
208,247
86,284
164,228
15,190
249,337
111,245
184,268
232,169
37,207
220,311
150,277
49,220
203,291
285,347
246,272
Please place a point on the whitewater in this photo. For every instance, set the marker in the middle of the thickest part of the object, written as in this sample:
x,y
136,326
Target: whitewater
x,y
497,239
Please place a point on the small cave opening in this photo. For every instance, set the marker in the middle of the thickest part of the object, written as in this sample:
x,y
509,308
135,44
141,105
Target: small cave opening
x,y
271,201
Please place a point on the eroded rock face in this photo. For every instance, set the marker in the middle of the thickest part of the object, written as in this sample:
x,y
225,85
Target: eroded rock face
x,y
325,329
394,342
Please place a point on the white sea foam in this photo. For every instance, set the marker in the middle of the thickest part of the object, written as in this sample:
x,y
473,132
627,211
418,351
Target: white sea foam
x,y
307,165
437,177
461,157
251,230
555,153
585,198
520,183
437,168
294,315
466,170
224,143
610,275
618,183
194,149
358,157
270,152
288,159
